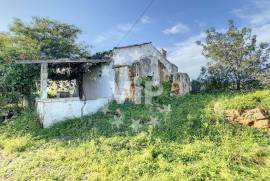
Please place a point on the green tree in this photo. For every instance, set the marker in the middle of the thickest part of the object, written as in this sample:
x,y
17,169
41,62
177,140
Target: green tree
x,y
265,76
42,38
53,39
16,80
236,58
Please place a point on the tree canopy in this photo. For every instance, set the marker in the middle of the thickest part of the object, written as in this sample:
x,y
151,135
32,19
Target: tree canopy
x,y
237,59
52,39
42,38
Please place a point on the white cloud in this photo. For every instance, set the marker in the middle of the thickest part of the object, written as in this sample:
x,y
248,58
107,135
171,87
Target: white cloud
x,y
257,16
146,20
187,55
114,34
101,38
201,24
262,32
256,13
177,29
124,27
117,32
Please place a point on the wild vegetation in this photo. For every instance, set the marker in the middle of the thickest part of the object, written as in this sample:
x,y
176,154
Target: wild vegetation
x,y
183,138
174,139
236,59
42,38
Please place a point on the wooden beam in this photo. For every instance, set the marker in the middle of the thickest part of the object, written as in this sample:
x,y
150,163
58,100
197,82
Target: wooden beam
x,y
57,61
43,79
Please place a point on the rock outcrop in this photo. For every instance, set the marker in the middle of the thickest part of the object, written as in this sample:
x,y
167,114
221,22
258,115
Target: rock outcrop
x,y
258,118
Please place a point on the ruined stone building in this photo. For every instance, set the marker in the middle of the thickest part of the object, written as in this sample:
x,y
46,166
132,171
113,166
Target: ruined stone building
x,y
136,61
103,80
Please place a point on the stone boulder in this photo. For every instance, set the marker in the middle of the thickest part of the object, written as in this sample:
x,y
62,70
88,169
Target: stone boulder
x,y
258,118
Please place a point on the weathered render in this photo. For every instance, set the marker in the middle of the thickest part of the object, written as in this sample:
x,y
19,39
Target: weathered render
x,y
52,111
96,90
181,84
98,81
101,81
134,62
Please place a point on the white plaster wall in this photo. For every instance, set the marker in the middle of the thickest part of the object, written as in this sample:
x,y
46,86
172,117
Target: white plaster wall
x,y
98,82
52,111
122,84
129,55
124,57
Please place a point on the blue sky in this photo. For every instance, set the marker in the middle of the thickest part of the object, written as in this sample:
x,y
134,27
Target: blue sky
x,y
172,24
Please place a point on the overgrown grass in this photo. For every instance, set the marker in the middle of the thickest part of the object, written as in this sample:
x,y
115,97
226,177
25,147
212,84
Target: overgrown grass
x,y
191,142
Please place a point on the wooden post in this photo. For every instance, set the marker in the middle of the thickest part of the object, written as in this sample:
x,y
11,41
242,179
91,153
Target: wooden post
x,y
43,79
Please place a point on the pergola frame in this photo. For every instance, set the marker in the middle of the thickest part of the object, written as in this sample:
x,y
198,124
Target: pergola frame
x,y
44,69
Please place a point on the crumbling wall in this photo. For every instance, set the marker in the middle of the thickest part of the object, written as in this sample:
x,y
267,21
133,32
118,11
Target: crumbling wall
x,y
134,62
127,56
181,84
164,73
122,83
98,82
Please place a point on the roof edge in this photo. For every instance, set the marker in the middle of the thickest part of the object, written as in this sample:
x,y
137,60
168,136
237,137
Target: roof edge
x,y
134,45
64,60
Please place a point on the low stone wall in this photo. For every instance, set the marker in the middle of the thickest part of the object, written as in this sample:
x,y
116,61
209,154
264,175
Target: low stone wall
x,y
52,111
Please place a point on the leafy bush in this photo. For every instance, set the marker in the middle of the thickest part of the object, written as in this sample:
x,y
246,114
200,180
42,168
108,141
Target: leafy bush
x,y
190,143
42,38
11,145
236,60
